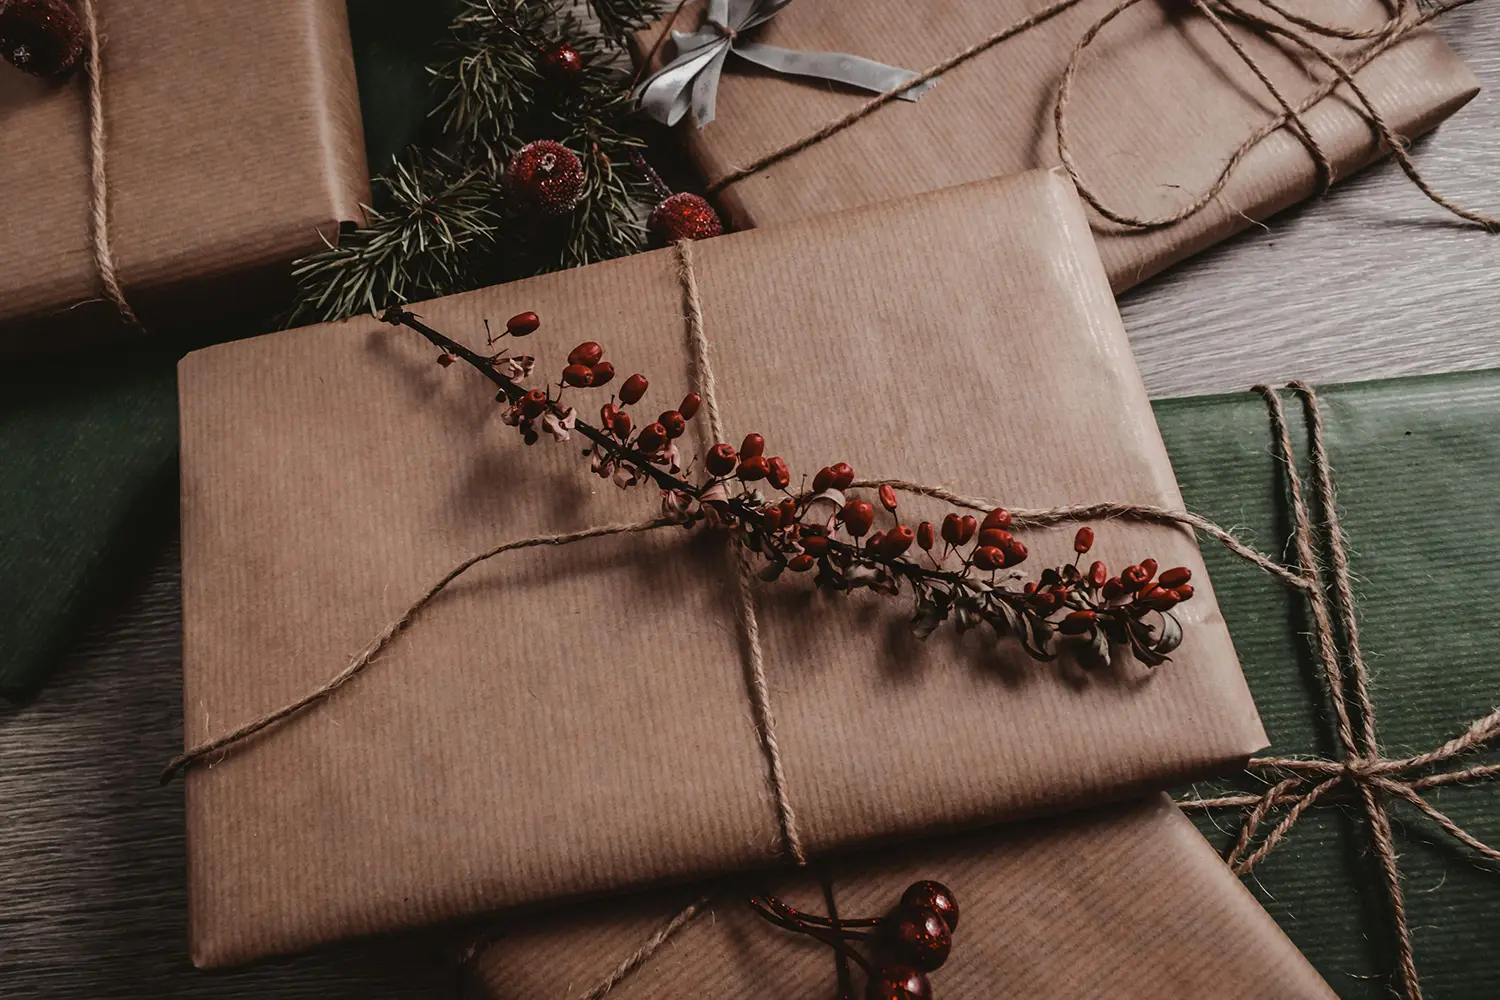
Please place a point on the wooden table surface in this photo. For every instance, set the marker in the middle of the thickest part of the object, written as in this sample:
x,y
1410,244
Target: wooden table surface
x,y
1371,281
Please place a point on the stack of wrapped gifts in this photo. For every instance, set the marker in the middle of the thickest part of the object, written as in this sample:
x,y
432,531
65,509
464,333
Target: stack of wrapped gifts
x,y
823,609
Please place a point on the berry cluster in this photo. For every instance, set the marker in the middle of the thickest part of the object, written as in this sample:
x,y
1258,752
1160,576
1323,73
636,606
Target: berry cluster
x,y
910,941
966,567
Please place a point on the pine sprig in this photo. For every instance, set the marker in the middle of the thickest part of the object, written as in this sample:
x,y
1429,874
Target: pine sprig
x,y
436,214
442,222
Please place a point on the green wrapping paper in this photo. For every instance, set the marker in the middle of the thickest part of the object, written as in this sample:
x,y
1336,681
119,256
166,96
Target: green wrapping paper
x,y
1416,464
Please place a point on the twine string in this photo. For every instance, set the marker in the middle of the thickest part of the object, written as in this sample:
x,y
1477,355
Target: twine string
x,y
103,250
1403,20
1297,784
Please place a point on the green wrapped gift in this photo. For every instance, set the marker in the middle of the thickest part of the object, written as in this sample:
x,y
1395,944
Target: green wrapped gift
x,y
1416,466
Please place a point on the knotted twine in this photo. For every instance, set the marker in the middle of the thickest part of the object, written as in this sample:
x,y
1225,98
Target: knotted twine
x,y
103,250
1299,31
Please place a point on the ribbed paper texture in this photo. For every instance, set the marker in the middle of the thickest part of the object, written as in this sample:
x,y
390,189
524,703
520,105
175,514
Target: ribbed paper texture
x,y
576,720
233,146
1128,903
1159,104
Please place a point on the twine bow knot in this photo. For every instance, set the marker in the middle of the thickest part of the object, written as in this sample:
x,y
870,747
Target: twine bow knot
x,y
1364,773
691,80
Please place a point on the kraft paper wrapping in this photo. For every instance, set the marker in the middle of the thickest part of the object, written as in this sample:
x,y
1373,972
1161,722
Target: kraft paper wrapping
x,y
234,146
1159,104
576,721
1128,903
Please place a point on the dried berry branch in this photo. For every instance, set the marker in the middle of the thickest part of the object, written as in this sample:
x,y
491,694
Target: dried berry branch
x,y
830,530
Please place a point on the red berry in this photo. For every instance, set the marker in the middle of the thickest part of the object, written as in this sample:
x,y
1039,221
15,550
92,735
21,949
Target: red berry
x,y
888,496
683,216
604,372
823,480
1149,565
780,475
934,895
997,518
522,324
952,529
858,516
689,405
588,354
876,542
633,389
545,175
753,446
899,982
988,557
967,526
1157,599
578,375
771,518
843,476
897,541
1015,554
1097,574
1133,578
562,62
753,469
1078,622
918,935
446,359
721,460
801,563
1184,592
1084,540
621,425
1046,601
533,404
925,539
607,414
998,537
1176,577
651,439
1113,589
815,544
674,422
42,37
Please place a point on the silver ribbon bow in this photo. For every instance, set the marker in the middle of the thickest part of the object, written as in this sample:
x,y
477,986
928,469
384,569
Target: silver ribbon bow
x,y
691,80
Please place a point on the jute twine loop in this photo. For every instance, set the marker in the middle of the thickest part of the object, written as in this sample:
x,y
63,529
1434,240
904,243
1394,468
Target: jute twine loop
x,y
1297,784
1299,31
104,256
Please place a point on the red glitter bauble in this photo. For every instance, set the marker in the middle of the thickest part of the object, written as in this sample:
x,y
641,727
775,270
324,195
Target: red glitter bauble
x,y
684,217
545,175
562,62
41,37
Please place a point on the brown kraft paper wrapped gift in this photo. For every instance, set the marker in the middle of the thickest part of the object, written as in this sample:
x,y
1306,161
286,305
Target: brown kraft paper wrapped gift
x,y
1159,105
575,720
1128,903
233,146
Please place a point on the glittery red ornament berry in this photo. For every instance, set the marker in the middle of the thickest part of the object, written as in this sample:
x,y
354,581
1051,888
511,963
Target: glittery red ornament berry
x,y
40,37
562,62
918,935
683,217
935,895
545,175
898,983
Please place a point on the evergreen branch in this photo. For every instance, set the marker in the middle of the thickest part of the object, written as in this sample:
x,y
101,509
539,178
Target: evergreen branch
x,y
441,223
